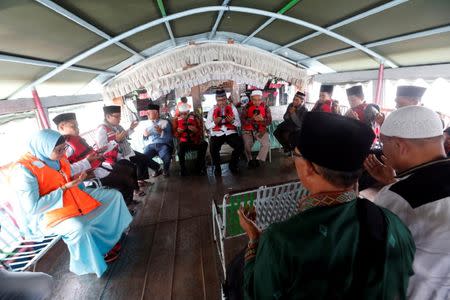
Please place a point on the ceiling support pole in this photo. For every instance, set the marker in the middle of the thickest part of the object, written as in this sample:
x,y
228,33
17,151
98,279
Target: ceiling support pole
x,y
42,116
380,81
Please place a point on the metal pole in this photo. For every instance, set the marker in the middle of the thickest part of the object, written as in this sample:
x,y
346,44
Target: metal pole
x,y
379,84
41,114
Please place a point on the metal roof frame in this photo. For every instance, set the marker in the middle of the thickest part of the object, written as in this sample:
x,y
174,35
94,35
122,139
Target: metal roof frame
x,y
219,18
345,22
387,41
67,14
49,64
194,11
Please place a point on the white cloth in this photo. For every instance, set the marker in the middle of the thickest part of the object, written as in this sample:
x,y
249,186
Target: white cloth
x,y
430,227
412,122
209,124
256,93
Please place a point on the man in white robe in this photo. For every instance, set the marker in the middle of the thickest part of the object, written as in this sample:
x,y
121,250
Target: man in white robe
x,y
418,191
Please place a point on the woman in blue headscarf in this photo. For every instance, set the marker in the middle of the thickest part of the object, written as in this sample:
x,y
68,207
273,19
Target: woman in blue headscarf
x,y
49,201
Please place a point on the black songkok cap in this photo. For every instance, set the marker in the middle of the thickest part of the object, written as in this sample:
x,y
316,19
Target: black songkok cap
x,y
152,106
447,131
335,142
299,94
221,93
410,91
64,117
111,109
355,91
326,89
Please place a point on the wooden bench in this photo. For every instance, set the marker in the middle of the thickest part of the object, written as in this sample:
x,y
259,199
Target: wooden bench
x,y
272,203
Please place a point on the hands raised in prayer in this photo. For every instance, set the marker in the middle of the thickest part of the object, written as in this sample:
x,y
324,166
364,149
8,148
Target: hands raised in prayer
x,y
247,217
381,171
94,156
120,136
133,125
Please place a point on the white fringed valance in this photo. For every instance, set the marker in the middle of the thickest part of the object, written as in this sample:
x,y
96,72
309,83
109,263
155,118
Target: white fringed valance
x,y
198,75
153,69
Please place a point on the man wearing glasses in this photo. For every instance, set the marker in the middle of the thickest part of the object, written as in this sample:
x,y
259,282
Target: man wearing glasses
x,y
338,246
292,121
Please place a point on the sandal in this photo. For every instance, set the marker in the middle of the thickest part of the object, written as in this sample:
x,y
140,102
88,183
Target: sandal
x,y
111,256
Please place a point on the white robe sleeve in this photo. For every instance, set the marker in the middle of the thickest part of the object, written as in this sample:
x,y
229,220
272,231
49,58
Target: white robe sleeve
x,y
209,124
80,166
237,120
101,137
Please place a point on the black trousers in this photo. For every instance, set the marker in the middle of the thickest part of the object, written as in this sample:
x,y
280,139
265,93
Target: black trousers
x,y
185,147
233,287
235,142
142,164
123,177
283,134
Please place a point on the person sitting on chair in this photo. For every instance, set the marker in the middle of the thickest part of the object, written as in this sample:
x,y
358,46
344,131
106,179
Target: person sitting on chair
x,y
222,122
255,118
120,175
416,171
188,129
114,138
292,123
49,202
325,102
338,246
158,141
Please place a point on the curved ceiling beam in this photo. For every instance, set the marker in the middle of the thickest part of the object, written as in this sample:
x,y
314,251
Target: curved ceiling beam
x,y
67,14
194,11
345,22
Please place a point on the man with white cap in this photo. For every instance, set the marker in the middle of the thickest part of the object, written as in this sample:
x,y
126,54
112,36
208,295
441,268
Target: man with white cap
x,y
256,117
419,193
222,121
188,129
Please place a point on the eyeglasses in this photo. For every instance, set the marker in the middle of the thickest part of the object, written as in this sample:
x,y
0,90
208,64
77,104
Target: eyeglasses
x,y
117,116
61,149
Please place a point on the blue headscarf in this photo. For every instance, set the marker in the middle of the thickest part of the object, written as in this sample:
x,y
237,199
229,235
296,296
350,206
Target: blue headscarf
x,y
42,144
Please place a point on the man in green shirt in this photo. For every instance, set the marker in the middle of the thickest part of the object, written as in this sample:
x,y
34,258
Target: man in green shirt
x,y
339,246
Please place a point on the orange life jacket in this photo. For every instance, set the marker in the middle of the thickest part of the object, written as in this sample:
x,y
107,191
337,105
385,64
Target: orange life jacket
x,y
227,111
250,124
81,149
186,135
75,201
110,156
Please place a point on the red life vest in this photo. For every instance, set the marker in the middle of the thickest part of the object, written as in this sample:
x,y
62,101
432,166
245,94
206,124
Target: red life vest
x,y
251,125
75,201
186,135
81,149
330,106
359,110
110,156
227,112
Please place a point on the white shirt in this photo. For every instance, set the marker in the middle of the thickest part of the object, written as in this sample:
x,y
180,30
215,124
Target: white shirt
x,y
101,139
209,124
430,227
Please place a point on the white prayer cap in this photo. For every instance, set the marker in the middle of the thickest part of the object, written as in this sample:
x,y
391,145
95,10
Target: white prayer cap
x,y
412,122
256,93
183,108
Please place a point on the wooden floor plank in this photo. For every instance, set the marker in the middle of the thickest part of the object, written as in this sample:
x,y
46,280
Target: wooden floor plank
x,y
127,279
159,277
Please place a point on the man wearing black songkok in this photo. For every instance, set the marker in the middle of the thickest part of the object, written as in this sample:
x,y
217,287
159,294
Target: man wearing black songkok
x,y
325,102
292,123
338,246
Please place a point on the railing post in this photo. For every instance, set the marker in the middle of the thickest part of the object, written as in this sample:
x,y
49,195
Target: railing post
x,y
380,81
42,116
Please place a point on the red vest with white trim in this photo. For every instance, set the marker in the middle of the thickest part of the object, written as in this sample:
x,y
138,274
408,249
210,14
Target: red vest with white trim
x,y
81,150
252,125
227,111
186,135
110,156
